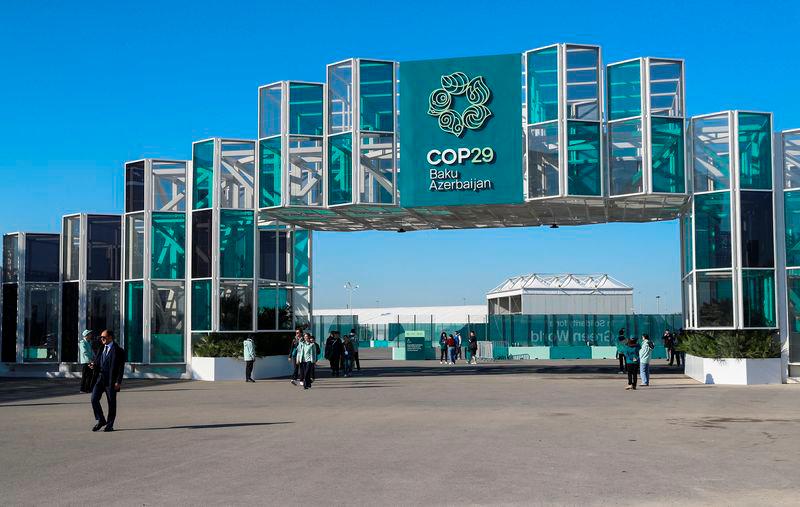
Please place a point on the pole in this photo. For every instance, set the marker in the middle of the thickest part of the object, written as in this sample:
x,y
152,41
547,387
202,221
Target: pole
x,y
658,305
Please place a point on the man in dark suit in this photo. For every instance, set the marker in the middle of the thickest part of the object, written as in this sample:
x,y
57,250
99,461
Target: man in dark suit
x,y
108,366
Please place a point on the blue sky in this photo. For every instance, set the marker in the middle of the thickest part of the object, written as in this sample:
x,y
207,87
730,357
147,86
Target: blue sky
x,y
88,85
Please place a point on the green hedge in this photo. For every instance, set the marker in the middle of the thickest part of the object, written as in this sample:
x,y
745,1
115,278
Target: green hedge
x,y
738,344
230,344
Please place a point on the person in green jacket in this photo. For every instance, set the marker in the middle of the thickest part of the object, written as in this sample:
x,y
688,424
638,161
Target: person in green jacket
x,y
645,354
85,356
296,341
307,358
249,358
631,352
621,340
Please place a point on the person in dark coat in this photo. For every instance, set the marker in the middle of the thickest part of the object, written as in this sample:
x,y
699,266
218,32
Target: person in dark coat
x,y
333,352
109,367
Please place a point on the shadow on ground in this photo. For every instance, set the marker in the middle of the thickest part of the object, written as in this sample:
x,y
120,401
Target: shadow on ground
x,y
13,390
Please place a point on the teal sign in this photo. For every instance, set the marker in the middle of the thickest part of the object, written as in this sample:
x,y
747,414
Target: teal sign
x,y
415,345
461,131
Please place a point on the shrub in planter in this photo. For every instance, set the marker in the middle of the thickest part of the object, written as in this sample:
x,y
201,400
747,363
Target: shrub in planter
x,y
735,344
230,344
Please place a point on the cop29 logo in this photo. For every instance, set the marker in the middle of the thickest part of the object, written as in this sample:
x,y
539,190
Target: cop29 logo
x,y
473,116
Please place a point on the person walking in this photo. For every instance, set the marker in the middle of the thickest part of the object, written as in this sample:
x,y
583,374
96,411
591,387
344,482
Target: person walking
x,y
348,351
296,341
668,345
249,358
307,356
451,350
333,352
645,354
620,345
473,348
109,367
680,356
443,348
631,352
85,355
354,341
459,343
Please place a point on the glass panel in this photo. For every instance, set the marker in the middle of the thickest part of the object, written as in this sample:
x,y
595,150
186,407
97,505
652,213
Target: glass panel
x,y
42,257
169,186
284,256
377,169
300,256
543,85
792,217
758,298
376,97
202,174
269,156
668,152
543,160
134,256
340,97
10,258
268,251
755,150
714,299
70,334
791,160
168,254
236,244
71,245
269,111
201,244
134,187
666,88
285,308
686,227
583,158
340,170
8,353
201,305
134,321
624,90
305,109
302,308
793,289
104,247
712,221
237,175
102,307
583,83
305,171
236,306
267,307
41,322
688,297
166,339
756,216
711,153
625,163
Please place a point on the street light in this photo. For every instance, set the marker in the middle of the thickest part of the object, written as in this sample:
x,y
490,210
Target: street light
x,y
658,305
350,287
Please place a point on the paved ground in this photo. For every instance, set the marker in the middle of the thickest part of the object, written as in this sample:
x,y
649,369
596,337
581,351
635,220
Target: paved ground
x,y
537,432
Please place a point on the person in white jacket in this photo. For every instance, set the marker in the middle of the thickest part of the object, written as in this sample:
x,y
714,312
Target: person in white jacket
x,y
645,354
249,358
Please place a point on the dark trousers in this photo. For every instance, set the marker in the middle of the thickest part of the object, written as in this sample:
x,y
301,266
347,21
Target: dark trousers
x,y
443,355
86,379
621,362
296,373
248,370
671,353
111,397
355,358
334,366
633,370
308,374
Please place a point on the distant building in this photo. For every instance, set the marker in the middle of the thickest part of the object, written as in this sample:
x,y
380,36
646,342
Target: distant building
x,y
561,294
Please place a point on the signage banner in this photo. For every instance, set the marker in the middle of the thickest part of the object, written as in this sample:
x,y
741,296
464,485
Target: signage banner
x,y
461,131
415,345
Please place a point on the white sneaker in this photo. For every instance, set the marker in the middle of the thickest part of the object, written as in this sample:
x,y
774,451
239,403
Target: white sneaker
x,y
294,382
301,382
441,362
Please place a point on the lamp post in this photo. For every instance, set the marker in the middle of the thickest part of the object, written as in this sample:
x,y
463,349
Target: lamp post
x,y
658,305
350,287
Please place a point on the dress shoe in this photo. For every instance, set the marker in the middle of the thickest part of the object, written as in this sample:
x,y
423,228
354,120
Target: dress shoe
x,y
99,425
108,428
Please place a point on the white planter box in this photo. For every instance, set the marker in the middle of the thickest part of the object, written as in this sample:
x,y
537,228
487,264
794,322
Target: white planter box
x,y
733,371
231,368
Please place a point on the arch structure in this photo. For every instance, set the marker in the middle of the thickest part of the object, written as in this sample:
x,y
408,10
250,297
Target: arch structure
x,y
551,136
